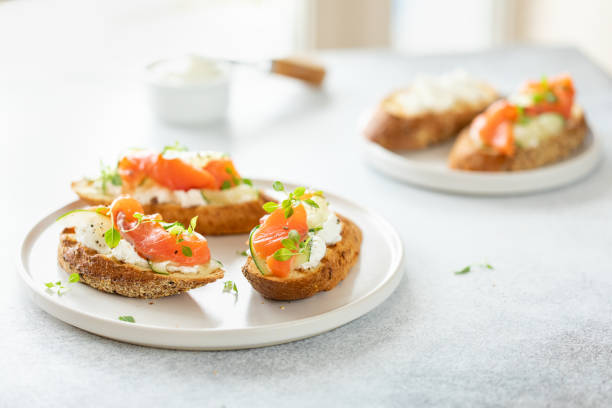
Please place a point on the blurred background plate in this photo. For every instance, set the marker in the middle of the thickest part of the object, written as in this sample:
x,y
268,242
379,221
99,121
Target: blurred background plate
x,y
428,168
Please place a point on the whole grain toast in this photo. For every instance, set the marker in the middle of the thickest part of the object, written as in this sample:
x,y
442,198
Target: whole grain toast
x,y
467,154
237,218
334,267
109,275
395,130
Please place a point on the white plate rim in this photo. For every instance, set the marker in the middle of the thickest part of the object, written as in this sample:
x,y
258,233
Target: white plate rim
x,y
443,179
265,335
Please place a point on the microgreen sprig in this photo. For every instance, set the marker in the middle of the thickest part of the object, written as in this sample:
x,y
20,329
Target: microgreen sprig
x,y
109,175
292,246
129,319
174,228
59,288
522,117
176,147
235,180
229,286
293,198
468,268
546,94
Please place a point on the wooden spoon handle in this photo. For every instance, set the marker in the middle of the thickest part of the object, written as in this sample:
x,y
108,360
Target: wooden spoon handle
x,y
299,68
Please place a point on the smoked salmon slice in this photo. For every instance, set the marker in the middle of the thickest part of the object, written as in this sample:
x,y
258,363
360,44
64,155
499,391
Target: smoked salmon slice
x,y
152,241
274,229
175,173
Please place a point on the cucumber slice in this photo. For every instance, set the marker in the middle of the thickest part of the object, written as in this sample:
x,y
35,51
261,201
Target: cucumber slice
x,y
159,271
304,256
204,197
260,263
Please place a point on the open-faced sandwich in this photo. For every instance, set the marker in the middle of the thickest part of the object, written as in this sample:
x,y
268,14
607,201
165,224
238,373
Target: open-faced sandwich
x,y
180,185
538,126
301,247
431,110
119,249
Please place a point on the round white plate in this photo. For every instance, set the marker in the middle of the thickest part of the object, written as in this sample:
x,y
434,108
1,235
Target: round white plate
x,y
206,318
427,168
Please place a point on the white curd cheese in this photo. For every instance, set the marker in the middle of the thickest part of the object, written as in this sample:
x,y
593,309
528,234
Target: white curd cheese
x,y
187,70
441,93
89,228
125,252
328,230
331,231
189,198
168,267
315,217
538,129
194,197
317,252
153,194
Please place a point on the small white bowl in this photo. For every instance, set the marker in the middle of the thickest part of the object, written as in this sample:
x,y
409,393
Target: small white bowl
x,y
188,90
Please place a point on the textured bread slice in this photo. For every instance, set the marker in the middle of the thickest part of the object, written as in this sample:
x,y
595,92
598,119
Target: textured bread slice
x,y
395,130
335,265
237,218
468,154
109,275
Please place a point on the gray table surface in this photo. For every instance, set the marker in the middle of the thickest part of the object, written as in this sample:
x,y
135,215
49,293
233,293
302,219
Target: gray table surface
x,y
536,331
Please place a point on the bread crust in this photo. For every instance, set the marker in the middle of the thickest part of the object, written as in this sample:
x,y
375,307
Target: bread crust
x,y
394,131
109,275
334,267
237,218
467,154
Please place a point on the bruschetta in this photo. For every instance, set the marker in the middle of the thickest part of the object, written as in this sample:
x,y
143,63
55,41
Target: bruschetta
x,y
119,249
540,125
431,110
180,185
301,247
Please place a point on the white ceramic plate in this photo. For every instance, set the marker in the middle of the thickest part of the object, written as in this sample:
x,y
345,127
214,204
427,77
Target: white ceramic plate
x,y
427,168
206,318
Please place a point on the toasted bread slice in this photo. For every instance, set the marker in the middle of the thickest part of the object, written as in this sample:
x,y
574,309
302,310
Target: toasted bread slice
x,y
335,265
109,275
468,154
394,129
237,218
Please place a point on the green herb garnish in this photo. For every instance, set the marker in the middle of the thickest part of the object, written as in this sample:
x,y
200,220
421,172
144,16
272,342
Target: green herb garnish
x,y
293,199
292,246
204,197
464,270
243,253
522,117
59,288
109,175
270,206
186,251
112,238
129,319
469,268
225,185
228,286
177,147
